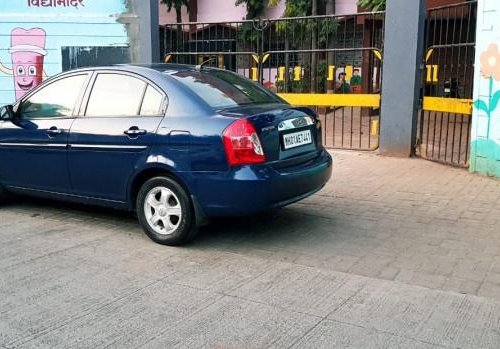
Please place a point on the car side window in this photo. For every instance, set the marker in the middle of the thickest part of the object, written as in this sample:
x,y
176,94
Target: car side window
x,y
115,95
152,102
57,99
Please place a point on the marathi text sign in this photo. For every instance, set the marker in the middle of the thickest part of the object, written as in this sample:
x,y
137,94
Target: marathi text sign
x,y
56,3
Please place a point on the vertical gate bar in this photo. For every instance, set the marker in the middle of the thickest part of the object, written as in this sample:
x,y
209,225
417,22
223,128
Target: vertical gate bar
x,y
434,27
466,68
334,56
426,115
287,57
459,64
343,109
310,46
171,41
434,114
220,46
460,138
422,121
181,37
325,115
351,131
260,47
440,135
269,59
301,40
324,130
380,44
312,80
448,73
354,27
420,138
446,139
445,75
163,29
467,140
196,41
467,38
441,26
427,136
208,40
455,63
334,135
438,31
343,127
175,41
366,61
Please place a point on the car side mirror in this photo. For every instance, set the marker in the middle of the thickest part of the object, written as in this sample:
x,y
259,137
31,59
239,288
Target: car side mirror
x,y
7,113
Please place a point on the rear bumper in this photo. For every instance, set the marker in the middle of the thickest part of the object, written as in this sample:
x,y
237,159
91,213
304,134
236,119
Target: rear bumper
x,y
252,189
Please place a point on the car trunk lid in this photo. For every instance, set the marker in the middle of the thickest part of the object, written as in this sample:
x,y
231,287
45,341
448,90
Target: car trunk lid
x,y
288,134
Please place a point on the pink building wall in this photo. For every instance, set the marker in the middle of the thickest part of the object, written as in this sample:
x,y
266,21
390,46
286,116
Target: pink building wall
x,y
169,17
220,10
345,7
225,10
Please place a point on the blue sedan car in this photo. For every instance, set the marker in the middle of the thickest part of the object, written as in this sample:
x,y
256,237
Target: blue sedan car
x,y
176,144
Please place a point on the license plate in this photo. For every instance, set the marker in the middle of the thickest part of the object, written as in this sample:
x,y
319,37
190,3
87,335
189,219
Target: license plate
x,y
297,139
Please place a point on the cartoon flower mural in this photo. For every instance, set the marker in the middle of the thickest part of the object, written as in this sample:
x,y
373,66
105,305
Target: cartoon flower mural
x,y
485,151
490,70
490,62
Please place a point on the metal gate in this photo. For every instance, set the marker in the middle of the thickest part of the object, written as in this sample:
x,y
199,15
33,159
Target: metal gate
x,y
445,118
331,63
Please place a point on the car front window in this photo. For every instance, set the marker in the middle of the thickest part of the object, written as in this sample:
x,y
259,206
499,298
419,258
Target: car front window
x,y
54,100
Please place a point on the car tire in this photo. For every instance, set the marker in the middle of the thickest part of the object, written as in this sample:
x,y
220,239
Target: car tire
x,y
165,212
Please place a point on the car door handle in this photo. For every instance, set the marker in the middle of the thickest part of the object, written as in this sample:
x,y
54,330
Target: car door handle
x,y
135,131
53,131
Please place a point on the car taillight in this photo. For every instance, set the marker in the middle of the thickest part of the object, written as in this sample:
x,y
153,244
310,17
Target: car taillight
x,y
242,144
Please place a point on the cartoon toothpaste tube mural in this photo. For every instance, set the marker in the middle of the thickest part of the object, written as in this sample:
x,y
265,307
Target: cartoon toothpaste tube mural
x,y
27,54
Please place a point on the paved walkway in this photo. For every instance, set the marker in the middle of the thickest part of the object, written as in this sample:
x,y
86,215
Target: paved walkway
x,y
394,253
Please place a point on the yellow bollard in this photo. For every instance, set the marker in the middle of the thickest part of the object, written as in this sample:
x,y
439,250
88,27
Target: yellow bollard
x,y
432,73
348,72
435,75
255,73
375,127
297,73
281,73
331,73
428,67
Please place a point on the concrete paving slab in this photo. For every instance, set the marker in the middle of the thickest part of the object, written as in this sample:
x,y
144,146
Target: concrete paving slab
x,y
130,321
441,318
233,323
331,334
300,289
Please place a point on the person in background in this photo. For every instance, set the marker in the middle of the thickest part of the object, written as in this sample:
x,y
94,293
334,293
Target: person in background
x,y
356,81
342,85
356,77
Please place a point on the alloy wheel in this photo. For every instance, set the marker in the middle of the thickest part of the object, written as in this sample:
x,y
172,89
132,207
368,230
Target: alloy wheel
x,y
163,210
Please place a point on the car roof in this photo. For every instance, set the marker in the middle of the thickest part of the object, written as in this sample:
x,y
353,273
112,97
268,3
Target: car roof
x,y
138,68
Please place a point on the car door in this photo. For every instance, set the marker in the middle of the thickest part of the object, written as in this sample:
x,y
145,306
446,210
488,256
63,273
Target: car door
x,y
33,146
114,135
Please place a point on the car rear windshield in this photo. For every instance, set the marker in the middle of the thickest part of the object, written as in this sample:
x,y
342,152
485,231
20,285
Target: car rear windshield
x,y
223,89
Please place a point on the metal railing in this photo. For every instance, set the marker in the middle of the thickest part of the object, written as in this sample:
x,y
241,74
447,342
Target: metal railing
x,y
332,63
445,119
